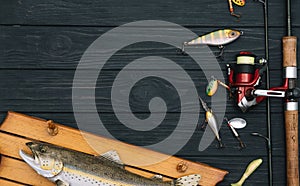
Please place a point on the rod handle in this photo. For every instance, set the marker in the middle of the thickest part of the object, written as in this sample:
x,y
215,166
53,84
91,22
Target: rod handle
x,y
291,128
289,44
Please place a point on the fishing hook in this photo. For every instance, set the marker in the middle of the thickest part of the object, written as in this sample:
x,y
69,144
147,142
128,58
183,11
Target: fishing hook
x,y
231,10
221,53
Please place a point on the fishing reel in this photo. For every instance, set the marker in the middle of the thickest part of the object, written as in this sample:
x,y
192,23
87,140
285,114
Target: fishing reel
x,y
244,78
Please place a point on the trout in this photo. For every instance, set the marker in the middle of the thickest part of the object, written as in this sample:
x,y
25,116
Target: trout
x,y
67,167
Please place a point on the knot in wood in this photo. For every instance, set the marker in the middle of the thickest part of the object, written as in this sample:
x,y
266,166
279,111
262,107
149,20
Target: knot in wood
x,y
52,128
182,167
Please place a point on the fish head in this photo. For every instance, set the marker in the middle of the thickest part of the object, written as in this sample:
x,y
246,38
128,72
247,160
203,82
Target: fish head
x,y
43,161
232,35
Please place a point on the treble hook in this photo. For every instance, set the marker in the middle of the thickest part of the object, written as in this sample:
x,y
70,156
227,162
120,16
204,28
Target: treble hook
x,y
221,53
182,50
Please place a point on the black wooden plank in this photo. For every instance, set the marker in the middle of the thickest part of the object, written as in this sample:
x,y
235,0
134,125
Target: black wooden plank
x,y
62,47
51,91
117,12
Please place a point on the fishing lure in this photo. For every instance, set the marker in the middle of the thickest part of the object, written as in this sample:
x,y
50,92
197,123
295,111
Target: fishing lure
x,y
237,2
217,38
235,133
211,120
212,86
250,169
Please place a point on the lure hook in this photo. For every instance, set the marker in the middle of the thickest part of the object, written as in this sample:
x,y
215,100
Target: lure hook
x,y
231,10
235,15
221,53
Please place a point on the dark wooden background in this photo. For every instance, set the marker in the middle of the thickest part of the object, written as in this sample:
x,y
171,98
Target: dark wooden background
x,y
41,43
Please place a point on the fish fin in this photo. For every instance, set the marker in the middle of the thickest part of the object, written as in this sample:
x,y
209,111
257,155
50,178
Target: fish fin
x,y
157,177
113,156
189,180
61,183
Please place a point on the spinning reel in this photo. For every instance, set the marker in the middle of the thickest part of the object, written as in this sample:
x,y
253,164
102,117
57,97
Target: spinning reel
x,y
244,78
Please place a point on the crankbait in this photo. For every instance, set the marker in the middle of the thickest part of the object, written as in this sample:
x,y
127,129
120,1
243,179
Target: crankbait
x,y
217,38
211,120
212,86
250,169
237,2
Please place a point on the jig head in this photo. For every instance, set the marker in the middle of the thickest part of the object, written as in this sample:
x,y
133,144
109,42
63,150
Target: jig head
x,y
217,38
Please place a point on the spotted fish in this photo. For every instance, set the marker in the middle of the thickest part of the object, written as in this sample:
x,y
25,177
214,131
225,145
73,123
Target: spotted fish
x,y
66,167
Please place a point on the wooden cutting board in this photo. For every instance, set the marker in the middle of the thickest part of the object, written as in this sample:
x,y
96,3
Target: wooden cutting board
x,y
17,129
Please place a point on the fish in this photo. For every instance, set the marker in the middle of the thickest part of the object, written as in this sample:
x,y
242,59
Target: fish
x,y
216,38
67,167
211,120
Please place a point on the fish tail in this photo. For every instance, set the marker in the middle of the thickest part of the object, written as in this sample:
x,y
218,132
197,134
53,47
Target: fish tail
x,y
189,180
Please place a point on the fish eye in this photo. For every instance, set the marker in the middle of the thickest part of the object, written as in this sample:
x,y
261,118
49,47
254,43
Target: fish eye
x,y
43,149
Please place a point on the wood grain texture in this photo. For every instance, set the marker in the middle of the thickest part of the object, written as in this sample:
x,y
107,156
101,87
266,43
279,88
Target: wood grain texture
x,y
17,170
9,183
36,129
51,91
35,47
42,43
292,147
116,12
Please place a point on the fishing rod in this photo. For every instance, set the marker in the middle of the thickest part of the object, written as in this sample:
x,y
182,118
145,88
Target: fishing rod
x,y
269,129
244,78
289,44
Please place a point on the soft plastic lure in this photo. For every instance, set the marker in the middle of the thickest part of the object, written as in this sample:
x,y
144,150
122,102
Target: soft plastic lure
x,y
217,38
250,169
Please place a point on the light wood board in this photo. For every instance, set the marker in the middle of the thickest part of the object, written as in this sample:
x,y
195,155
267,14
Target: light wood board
x,y
17,129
